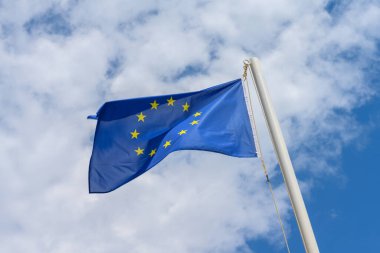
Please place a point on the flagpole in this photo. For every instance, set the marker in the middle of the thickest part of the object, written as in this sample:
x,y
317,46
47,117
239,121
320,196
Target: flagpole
x,y
284,161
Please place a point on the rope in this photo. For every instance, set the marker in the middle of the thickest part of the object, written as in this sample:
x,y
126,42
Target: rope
x,y
260,154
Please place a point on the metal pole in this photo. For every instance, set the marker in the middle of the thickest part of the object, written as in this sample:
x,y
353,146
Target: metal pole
x,y
284,161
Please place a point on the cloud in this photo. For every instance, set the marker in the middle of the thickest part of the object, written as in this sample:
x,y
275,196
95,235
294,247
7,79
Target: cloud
x,y
60,61
50,22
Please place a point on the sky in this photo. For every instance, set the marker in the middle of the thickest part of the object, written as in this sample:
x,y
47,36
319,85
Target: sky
x,y
61,60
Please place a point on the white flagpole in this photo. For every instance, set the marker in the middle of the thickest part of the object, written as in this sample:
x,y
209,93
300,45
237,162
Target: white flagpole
x,y
284,161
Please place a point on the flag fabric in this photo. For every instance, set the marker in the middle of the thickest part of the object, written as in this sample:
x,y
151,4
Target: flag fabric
x,y
133,135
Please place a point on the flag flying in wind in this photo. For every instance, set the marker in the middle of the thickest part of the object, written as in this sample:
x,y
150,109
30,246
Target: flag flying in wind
x,y
133,135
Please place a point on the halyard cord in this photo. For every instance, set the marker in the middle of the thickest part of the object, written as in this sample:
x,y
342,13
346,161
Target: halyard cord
x,y
260,154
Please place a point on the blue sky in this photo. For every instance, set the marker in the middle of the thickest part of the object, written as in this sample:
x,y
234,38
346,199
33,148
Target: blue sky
x,y
343,210
60,60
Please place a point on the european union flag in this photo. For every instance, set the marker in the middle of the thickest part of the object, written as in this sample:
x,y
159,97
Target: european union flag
x,y
133,135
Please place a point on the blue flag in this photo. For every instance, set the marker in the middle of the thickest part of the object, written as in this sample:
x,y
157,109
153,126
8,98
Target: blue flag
x,y
133,135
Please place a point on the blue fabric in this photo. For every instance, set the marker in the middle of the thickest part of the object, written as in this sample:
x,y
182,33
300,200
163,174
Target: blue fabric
x,y
133,135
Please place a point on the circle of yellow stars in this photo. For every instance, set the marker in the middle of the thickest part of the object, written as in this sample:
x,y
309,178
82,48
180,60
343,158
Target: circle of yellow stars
x,y
154,106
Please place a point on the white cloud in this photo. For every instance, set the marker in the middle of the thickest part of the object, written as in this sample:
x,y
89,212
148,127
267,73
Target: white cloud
x,y
192,201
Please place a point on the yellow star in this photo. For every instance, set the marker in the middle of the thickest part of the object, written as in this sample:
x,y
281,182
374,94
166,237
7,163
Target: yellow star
x,y
167,143
152,153
182,132
194,122
141,117
135,134
154,105
139,151
170,101
186,107
197,114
